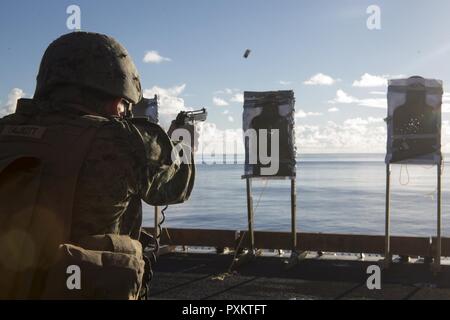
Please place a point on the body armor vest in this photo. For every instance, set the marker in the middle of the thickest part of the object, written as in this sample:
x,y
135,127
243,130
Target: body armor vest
x,y
40,162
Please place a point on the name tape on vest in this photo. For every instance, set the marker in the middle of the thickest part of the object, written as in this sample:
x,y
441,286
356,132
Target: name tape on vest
x,y
24,131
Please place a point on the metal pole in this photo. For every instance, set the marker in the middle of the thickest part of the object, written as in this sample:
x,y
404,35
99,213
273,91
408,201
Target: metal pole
x,y
437,261
387,248
157,215
294,213
250,214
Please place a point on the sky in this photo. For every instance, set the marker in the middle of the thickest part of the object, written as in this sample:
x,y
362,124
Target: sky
x,y
190,53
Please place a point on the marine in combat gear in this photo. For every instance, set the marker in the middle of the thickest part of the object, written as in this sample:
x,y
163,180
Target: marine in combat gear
x,y
73,172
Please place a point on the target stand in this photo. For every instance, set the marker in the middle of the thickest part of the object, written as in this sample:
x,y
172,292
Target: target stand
x,y
436,267
414,138
296,255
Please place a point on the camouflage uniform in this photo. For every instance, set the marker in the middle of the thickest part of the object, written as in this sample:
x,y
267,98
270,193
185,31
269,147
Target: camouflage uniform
x,y
121,161
125,163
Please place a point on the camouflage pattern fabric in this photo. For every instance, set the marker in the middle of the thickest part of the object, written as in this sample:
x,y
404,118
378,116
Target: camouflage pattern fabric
x,y
89,60
125,162
103,258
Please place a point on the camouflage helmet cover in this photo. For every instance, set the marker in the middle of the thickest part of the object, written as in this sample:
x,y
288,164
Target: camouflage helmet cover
x,y
89,60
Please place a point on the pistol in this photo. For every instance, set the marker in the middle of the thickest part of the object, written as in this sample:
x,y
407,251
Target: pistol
x,y
191,117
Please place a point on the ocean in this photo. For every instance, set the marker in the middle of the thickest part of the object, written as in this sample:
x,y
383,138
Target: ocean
x,y
335,194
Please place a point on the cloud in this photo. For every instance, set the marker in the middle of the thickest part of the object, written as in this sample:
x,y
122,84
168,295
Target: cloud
x,y
375,120
155,57
220,102
354,135
380,103
216,141
446,108
320,79
227,91
10,106
351,136
238,98
228,96
285,83
360,121
446,97
370,81
379,93
230,118
334,109
302,114
170,103
446,102
344,98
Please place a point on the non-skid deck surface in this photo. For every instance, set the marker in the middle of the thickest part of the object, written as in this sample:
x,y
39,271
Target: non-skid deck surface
x,y
201,277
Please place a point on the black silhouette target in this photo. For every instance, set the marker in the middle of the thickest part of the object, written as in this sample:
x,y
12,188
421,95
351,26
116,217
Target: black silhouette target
x,y
415,124
415,128
265,112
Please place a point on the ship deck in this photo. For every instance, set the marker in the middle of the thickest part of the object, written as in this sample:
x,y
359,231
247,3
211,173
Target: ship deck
x,y
190,269
203,276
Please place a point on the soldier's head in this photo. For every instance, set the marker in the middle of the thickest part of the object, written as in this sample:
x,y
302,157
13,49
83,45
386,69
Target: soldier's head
x,y
90,69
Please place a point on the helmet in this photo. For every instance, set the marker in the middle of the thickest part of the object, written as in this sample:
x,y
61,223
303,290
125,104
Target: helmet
x,y
90,60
